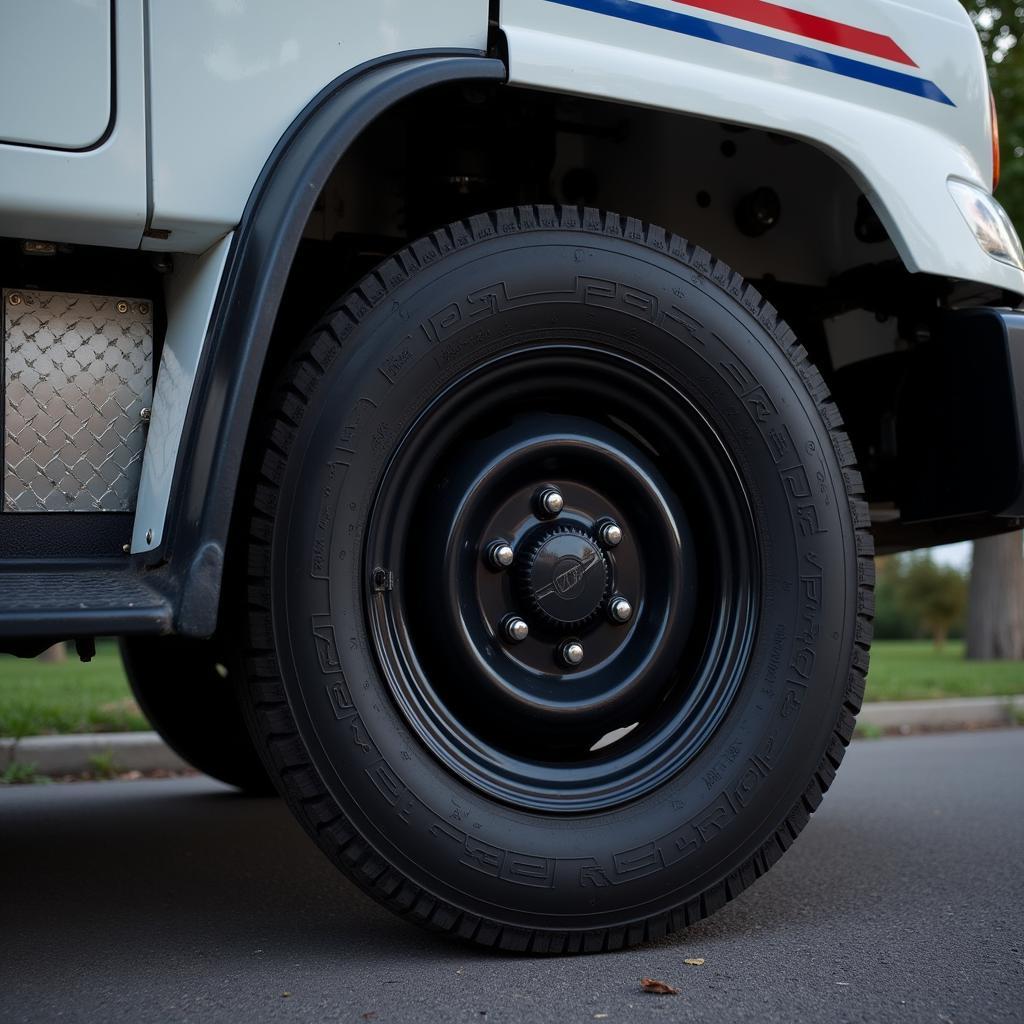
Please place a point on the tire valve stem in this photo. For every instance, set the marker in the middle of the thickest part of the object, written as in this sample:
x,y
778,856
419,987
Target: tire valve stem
x,y
571,653
383,580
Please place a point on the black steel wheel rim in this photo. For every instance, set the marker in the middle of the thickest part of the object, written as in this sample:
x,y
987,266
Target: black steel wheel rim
x,y
624,449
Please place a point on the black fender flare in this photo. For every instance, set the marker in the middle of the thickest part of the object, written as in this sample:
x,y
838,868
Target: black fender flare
x,y
220,409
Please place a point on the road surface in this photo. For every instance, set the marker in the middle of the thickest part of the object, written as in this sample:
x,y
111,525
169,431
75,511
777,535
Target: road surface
x,y
181,901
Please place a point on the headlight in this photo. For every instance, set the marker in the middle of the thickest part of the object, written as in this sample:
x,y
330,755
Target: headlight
x,y
988,220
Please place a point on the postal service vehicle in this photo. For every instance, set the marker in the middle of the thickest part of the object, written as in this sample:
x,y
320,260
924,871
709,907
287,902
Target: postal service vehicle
x,y
478,419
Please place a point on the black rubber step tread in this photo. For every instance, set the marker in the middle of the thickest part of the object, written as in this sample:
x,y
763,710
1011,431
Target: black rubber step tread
x,y
90,600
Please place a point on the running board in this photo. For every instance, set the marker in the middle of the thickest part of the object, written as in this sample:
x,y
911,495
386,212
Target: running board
x,y
63,601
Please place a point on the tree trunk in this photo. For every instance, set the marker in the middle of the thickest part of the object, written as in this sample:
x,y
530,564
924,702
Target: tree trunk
x,y
995,610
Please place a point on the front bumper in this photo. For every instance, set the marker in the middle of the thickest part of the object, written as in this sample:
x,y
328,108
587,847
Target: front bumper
x,y
959,419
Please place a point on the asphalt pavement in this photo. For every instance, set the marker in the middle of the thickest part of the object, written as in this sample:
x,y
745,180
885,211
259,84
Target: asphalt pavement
x,y
179,900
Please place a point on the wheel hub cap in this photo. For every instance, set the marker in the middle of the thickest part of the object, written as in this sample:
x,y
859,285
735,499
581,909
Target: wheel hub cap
x,y
565,577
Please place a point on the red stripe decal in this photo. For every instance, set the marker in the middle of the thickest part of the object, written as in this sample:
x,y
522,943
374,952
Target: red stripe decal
x,y
810,26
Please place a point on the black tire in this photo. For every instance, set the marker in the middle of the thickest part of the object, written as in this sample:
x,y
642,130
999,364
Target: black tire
x,y
186,690
447,771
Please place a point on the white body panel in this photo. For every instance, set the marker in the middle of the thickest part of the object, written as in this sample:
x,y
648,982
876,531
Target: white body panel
x,y
226,77
97,196
190,294
206,88
67,42
218,109
900,148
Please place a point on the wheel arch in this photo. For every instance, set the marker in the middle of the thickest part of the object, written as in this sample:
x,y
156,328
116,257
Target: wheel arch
x,y
209,457
327,159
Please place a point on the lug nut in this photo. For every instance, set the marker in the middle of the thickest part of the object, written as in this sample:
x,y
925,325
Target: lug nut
x,y
550,501
611,534
620,609
571,652
500,554
515,629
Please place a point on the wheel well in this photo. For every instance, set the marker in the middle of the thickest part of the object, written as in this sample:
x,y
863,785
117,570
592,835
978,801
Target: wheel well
x,y
786,215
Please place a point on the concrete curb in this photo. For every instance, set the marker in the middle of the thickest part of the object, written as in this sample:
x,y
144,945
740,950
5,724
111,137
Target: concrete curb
x,y
70,755
146,752
955,713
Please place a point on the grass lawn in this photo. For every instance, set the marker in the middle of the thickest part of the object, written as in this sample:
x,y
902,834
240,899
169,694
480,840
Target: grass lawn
x,y
915,670
38,697
68,696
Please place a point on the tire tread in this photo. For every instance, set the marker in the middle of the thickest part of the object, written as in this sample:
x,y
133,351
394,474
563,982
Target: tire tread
x,y
267,709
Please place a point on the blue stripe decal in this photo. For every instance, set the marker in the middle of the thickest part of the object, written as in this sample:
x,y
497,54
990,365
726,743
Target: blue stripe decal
x,y
716,32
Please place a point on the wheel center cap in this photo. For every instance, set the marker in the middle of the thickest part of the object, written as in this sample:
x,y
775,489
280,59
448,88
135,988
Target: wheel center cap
x,y
566,576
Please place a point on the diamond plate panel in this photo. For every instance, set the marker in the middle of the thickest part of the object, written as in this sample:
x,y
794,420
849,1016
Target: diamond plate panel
x,y
78,373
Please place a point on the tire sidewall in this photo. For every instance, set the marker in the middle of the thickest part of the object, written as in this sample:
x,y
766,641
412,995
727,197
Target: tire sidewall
x,y
396,354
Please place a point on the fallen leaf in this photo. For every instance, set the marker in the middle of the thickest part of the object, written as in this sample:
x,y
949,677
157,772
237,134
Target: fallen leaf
x,y
697,961
285,995
370,1016
657,988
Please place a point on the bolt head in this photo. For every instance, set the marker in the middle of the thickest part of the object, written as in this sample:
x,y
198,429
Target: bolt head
x,y
551,501
611,534
572,653
620,609
516,630
14,299
122,306
500,554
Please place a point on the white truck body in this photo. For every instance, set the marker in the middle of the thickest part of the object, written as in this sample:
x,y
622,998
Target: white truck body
x,y
477,420
154,120
206,90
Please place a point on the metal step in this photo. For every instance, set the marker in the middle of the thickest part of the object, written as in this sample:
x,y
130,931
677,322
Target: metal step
x,y
62,601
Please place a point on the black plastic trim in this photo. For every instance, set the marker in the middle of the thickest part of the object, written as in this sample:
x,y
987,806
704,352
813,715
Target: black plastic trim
x,y
68,623
210,456
1013,335
960,415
